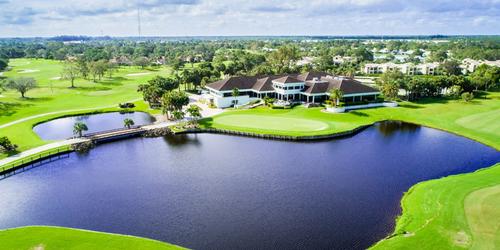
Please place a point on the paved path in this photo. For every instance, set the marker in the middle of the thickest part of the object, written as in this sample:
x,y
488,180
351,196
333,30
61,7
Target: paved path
x,y
57,112
40,149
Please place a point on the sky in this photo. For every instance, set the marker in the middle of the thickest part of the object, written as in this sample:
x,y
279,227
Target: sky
x,y
28,18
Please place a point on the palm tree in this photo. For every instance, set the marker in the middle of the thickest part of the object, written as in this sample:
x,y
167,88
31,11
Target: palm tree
x,y
235,93
79,127
335,96
128,123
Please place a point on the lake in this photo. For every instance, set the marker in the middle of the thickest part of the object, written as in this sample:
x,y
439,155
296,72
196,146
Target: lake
x,y
62,128
211,191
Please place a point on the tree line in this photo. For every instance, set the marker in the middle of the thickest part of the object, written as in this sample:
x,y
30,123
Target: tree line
x,y
417,87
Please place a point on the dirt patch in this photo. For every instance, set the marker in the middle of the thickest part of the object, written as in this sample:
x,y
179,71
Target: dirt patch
x,y
461,239
26,71
38,247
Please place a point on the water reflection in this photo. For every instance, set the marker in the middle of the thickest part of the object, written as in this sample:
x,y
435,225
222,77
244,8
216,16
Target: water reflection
x,y
60,129
208,191
388,128
182,140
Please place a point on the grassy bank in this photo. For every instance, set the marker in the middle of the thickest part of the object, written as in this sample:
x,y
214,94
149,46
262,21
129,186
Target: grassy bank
x,y
47,238
454,212
55,96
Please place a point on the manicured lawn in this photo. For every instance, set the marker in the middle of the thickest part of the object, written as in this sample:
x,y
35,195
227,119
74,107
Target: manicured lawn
x,y
54,95
477,120
47,238
434,216
293,122
283,124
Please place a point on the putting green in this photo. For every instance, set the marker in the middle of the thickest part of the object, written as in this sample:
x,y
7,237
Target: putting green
x,y
486,122
482,212
263,122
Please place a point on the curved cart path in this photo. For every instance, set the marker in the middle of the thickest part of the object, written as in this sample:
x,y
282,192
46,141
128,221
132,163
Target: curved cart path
x,y
57,112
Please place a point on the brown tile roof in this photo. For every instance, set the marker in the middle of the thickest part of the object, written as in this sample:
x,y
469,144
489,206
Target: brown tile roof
x,y
348,85
240,82
265,84
316,87
311,75
288,79
326,83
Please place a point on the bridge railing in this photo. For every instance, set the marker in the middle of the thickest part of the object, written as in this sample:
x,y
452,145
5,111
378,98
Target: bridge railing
x,y
90,135
7,168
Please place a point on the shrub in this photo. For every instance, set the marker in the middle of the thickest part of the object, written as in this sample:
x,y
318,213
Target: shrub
x,y
467,96
6,145
127,105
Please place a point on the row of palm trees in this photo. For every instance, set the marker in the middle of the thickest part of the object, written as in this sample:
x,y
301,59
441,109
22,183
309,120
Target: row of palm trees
x,y
80,127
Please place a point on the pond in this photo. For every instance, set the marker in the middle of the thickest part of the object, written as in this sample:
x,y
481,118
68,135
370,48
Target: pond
x,y
227,192
62,128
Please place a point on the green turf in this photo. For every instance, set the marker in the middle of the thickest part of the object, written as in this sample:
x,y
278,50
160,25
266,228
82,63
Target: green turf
x,y
481,210
434,216
47,238
284,124
55,96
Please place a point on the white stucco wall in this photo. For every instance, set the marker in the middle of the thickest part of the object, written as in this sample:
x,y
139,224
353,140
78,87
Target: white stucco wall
x,y
226,102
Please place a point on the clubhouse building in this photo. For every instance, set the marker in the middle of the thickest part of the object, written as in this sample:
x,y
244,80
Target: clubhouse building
x,y
310,87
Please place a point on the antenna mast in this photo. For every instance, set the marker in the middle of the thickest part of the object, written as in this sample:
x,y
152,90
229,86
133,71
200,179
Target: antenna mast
x,y
139,18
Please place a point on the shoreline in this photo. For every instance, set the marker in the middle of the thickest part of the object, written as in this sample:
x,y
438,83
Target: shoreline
x,y
406,195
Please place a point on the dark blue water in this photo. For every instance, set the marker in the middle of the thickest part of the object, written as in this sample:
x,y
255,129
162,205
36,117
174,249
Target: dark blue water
x,y
226,192
60,129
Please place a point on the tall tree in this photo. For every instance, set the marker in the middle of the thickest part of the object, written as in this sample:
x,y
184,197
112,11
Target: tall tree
x,y
335,96
70,72
83,67
451,67
22,85
390,90
153,91
235,93
142,62
174,101
283,59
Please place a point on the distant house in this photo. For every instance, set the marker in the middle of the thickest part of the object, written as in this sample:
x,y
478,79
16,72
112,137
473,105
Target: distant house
x,y
405,68
469,65
306,60
310,87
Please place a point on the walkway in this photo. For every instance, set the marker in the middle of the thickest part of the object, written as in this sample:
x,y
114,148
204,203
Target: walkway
x,y
39,150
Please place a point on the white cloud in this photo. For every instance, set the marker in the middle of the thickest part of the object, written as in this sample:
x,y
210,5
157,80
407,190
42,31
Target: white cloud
x,y
256,17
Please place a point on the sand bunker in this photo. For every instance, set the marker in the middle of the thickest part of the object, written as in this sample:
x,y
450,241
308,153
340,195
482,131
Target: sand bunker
x,y
139,74
56,78
26,71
